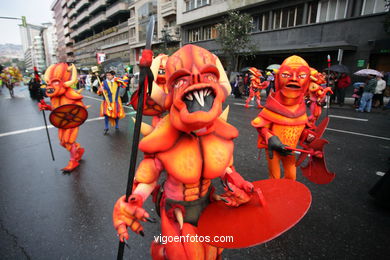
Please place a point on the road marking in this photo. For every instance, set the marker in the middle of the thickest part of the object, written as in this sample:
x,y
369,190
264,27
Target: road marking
x,y
350,118
355,133
241,104
49,126
98,99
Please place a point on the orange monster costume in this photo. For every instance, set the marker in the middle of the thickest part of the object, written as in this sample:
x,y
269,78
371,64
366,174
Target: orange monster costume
x,y
316,95
59,79
194,145
257,84
283,120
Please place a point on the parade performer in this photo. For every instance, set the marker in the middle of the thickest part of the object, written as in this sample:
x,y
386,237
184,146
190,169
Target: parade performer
x,y
111,107
257,84
316,95
284,118
193,144
68,109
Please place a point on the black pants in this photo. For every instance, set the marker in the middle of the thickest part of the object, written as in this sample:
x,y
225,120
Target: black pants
x,y
377,97
340,94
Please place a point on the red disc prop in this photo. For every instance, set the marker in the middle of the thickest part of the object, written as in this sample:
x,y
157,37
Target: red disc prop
x,y
68,116
284,202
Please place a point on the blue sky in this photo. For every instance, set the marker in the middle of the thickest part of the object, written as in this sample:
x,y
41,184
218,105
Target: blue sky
x,y
36,12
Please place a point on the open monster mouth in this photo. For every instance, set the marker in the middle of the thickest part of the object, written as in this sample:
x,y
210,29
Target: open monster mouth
x,y
199,99
293,86
50,90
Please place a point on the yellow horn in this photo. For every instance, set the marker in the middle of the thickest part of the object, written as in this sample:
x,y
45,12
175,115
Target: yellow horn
x,y
224,114
47,73
146,129
73,78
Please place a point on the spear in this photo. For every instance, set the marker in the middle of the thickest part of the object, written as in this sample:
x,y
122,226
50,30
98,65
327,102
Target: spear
x,y
145,82
48,136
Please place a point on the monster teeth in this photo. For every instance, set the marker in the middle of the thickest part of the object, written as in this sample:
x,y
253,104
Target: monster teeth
x,y
189,97
207,92
198,97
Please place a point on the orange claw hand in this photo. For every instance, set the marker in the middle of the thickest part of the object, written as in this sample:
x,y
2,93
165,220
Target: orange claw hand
x,y
129,214
235,196
43,106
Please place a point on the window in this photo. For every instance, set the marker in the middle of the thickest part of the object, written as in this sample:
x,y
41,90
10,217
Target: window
x,y
312,13
132,32
209,32
341,10
202,33
194,35
276,19
193,4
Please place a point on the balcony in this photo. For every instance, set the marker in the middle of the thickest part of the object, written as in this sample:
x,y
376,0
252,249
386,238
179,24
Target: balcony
x,y
82,17
73,24
168,8
174,32
132,40
68,41
83,28
66,31
65,21
68,50
64,11
73,34
131,21
72,12
71,2
63,3
117,8
97,19
81,4
99,3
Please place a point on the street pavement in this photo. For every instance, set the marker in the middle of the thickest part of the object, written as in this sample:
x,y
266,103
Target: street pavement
x,y
45,214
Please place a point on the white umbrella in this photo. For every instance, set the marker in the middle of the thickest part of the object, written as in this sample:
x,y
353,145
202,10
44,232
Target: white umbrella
x,y
273,67
366,72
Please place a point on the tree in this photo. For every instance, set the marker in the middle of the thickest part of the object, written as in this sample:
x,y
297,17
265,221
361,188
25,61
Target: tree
x,y
234,38
168,45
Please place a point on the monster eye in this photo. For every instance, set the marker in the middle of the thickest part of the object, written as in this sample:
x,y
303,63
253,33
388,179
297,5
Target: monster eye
x,y
54,83
180,82
286,75
302,76
209,78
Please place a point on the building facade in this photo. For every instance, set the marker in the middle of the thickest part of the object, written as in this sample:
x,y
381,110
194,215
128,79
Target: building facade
x,y
50,43
350,30
64,51
33,48
113,29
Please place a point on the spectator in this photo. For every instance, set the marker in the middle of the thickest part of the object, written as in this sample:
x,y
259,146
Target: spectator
x,y
246,84
378,95
271,85
342,83
368,93
357,93
88,82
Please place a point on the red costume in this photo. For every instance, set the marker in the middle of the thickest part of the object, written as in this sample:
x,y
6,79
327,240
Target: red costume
x,y
194,145
284,118
59,79
255,87
316,95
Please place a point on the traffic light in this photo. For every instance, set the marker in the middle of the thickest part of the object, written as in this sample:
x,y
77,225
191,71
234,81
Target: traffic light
x,y
24,22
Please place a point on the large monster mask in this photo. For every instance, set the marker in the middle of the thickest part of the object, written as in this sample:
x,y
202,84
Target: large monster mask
x,y
59,77
197,87
292,80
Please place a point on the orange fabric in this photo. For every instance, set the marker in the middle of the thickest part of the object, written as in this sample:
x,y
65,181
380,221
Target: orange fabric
x,y
187,156
147,171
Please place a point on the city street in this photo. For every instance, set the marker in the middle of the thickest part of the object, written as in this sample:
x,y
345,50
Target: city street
x,y
45,214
